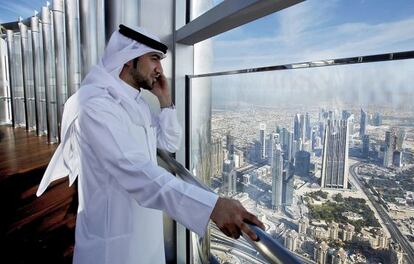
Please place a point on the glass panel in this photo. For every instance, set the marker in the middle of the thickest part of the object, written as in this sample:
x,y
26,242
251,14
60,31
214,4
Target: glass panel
x,y
315,30
324,156
199,7
17,83
5,97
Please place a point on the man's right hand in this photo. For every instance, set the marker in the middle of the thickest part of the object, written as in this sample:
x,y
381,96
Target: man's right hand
x,y
230,217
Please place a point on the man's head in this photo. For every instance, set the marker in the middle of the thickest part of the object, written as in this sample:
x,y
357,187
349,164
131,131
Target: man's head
x,y
144,70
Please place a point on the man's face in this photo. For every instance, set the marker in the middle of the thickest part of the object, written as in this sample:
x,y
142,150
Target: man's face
x,y
147,70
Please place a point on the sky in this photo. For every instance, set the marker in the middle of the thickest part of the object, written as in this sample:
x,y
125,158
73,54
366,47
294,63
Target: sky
x,y
311,30
316,30
11,10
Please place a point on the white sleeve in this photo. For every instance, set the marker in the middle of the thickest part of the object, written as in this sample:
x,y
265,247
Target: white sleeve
x,y
150,185
169,131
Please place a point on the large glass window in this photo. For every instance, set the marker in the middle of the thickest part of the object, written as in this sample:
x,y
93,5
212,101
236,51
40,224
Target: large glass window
x,y
324,157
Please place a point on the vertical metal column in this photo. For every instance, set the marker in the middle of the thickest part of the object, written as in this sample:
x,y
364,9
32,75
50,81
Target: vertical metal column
x,y
16,84
5,96
87,15
60,54
39,78
100,27
72,46
27,61
49,76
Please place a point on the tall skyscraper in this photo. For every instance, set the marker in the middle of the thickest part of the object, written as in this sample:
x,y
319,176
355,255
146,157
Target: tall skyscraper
x,y
277,177
262,140
287,187
297,127
363,123
217,157
365,146
390,145
302,163
286,141
230,144
231,183
334,173
308,127
377,119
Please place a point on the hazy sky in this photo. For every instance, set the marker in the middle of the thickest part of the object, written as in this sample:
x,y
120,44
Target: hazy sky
x,y
311,30
315,30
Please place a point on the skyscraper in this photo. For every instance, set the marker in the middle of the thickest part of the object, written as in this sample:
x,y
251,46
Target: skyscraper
x,y
230,144
308,127
334,173
302,163
363,123
390,145
277,177
297,127
365,146
286,141
262,140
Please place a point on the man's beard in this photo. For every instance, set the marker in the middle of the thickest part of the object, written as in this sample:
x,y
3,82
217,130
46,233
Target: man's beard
x,y
140,80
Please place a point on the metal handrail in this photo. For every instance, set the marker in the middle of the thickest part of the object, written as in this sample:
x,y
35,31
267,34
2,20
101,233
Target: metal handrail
x,y
270,249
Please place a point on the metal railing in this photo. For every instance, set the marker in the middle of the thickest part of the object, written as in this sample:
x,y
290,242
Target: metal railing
x,y
270,249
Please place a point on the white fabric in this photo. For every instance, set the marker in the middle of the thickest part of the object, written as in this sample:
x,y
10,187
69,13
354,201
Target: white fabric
x,y
109,139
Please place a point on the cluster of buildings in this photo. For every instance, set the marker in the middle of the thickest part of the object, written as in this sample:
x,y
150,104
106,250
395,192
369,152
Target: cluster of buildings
x,y
323,253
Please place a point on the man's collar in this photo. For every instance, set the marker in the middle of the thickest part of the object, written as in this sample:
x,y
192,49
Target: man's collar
x,y
129,91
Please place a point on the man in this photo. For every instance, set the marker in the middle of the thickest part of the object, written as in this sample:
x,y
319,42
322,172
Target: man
x,y
109,138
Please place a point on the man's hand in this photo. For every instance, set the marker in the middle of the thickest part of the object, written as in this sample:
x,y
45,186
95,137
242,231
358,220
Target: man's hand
x,y
161,91
231,217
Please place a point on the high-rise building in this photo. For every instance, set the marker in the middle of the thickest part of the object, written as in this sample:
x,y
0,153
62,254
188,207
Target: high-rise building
x,y
308,127
340,257
348,232
286,141
400,139
377,120
217,157
291,240
302,163
397,159
363,123
390,145
321,252
262,140
296,127
231,182
230,143
303,225
365,146
277,177
287,187
333,230
334,173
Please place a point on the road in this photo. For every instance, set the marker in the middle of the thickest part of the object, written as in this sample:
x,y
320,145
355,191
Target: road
x,y
392,227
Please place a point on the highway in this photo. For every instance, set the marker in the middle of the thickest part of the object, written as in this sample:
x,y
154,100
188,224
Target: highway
x,y
392,227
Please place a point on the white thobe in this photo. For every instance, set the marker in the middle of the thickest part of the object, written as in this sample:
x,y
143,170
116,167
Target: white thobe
x,y
109,139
